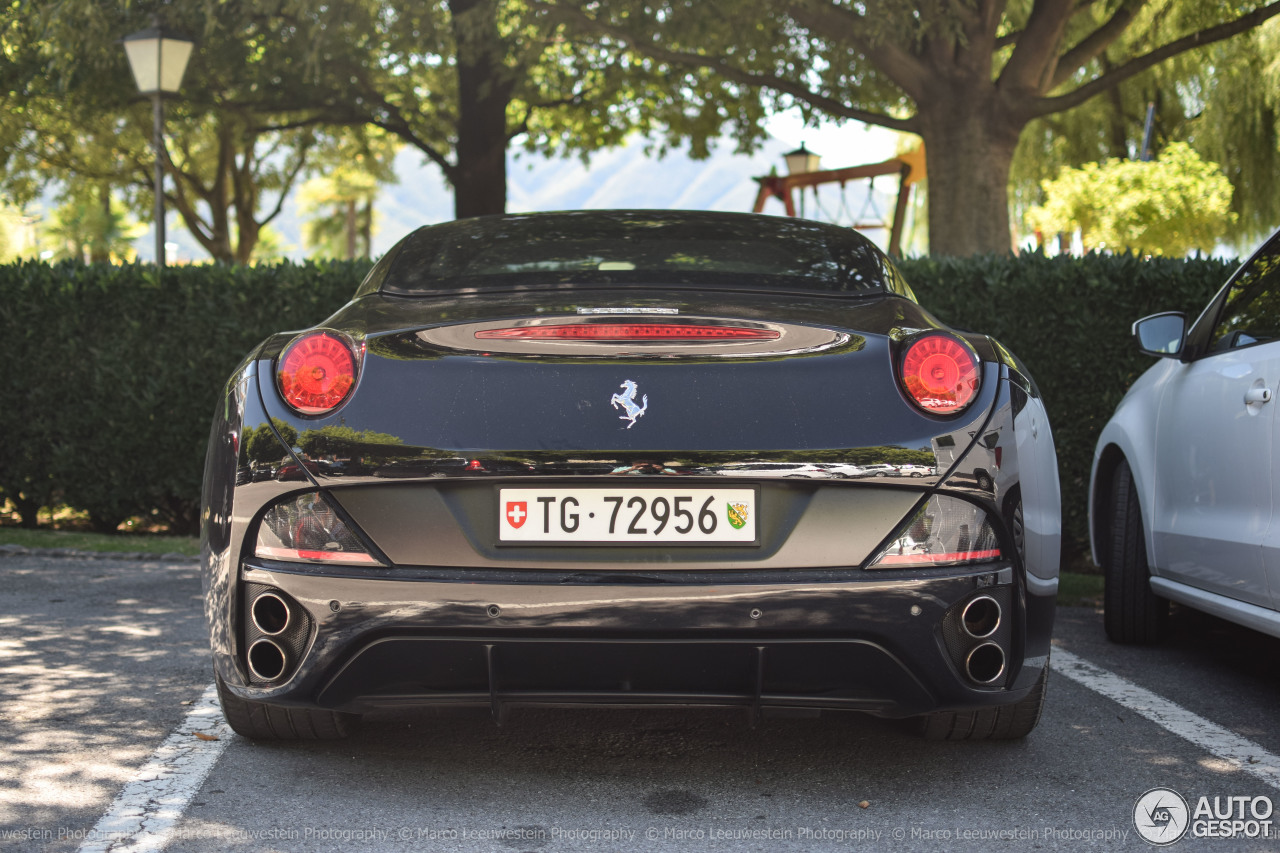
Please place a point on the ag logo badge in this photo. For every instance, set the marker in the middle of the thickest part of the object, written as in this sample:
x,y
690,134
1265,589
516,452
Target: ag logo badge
x,y
627,400
517,512
1160,816
737,515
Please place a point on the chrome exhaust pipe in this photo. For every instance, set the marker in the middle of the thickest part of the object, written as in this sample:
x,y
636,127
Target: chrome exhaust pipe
x,y
981,617
270,614
267,660
985,663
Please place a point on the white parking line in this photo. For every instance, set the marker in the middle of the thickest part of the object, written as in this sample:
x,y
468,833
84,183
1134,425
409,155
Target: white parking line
x,y
146,811
1211,737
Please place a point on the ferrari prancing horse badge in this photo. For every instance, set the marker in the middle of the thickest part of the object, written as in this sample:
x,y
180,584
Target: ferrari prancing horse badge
x,y
627,400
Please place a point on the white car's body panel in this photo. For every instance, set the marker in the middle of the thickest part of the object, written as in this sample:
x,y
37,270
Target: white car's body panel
x,y
1250,615
1213,501
1197,431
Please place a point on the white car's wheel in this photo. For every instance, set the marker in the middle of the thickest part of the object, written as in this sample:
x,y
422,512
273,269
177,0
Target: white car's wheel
x,y
1132,612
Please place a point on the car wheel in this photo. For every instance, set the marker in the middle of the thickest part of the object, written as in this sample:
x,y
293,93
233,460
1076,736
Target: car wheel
x,y
984,481
1132,613
1003,722
260,721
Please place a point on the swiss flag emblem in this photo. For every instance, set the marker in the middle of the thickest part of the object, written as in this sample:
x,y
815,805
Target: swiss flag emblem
x,y
517,512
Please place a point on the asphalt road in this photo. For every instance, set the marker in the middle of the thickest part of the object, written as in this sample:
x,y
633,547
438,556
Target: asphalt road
x,y
98,657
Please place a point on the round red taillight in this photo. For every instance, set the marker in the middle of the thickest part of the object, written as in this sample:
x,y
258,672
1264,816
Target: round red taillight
x,y
939,374
316,372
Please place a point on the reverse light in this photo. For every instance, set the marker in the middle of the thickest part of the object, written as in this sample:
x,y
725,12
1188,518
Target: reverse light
x,y
316,372
304,528
609,332
946,531
939,373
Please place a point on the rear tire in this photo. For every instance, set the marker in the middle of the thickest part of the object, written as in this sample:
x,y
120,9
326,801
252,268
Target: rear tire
x,y
260,721
1003,722
1132,612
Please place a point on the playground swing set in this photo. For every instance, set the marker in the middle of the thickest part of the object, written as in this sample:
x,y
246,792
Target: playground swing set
x,y
909,167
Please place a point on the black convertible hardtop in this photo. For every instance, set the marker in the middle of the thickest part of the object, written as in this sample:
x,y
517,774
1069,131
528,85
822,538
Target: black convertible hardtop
x,y
626,248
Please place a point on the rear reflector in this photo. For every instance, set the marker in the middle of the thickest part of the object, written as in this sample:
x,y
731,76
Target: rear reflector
x,y
946,531
608,332
304,528
943,559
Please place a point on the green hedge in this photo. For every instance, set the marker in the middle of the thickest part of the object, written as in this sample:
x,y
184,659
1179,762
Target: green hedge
x,y
1069,320
110,378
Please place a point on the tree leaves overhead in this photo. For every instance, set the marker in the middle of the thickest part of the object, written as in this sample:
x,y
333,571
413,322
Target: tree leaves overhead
x,y
273,81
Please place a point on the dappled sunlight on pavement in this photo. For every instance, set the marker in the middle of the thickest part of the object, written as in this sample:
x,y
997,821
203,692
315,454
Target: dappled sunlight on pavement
x,y
98,661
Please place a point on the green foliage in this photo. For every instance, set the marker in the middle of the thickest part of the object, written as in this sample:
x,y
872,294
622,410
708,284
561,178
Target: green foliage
x,y
1167,206
87,229
1069,321
1235,121
238,137
120,543
112,378
1224,100
337,206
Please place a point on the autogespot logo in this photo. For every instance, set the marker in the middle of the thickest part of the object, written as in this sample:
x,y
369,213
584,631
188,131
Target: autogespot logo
x,y
1161,816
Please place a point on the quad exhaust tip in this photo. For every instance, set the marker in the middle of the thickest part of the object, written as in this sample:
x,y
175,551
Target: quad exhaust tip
x,y
267,660
985,663
981,617
270,614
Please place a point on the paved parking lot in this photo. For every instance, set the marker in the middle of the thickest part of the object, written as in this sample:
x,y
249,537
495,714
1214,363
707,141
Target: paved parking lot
x,y
100,661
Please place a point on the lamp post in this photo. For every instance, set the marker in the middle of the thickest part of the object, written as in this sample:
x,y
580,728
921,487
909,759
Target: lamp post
x,y
799,162
802,160
158,59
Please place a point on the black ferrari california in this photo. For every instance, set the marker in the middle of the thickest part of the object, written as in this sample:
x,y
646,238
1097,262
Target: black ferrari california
x,y
604,457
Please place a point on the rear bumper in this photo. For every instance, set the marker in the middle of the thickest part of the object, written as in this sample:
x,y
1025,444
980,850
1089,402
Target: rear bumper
x,y
890,645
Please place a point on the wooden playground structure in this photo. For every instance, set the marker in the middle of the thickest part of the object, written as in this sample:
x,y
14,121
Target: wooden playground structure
x,y
910,168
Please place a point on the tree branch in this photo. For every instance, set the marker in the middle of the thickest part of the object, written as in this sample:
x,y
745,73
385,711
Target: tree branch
x,y
287,183
837,23
1032,63
722,66
1044,106
1091,45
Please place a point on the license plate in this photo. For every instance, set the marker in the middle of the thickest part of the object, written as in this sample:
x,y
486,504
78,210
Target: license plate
x,y
628,515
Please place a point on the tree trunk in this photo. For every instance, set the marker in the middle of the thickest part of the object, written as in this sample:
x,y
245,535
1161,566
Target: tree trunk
x,y
484,90
351,229
969,140
366,229
99,244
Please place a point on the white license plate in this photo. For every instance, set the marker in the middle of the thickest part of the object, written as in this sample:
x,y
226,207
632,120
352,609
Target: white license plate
x,y
628,515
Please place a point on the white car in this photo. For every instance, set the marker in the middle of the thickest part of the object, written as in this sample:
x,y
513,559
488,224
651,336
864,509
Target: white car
x,y
1182,500
802,470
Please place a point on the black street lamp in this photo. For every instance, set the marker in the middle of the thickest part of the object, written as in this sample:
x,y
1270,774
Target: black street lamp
x,y
158,59
801,162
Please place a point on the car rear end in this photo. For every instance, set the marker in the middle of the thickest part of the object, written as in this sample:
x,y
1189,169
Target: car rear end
x,y
631,497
